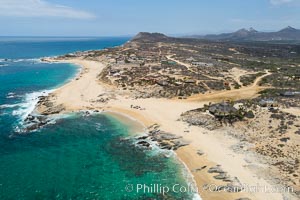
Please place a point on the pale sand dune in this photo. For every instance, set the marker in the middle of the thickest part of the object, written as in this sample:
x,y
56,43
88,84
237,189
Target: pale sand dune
x,y
80,94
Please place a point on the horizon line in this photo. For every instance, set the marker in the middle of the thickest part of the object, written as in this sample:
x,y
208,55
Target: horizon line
x,y
68,36
132,35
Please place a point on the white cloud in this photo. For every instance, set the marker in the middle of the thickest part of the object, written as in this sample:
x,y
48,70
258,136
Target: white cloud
x,y
40,8
279,2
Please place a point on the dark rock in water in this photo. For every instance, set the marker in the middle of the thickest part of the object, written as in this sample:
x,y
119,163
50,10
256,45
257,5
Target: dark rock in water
x,y
143,143
166,145
42,97
34,122
41,118
33,127
165,140
29,118
124,139
143,137
36,119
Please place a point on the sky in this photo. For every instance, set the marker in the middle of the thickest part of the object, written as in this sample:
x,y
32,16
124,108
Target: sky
x,y
128,17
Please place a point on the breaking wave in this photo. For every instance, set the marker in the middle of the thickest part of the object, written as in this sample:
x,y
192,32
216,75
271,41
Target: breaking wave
x,y
28,106
5,61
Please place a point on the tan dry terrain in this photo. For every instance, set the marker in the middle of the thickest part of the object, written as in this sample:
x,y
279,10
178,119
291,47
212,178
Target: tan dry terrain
x,y
85,92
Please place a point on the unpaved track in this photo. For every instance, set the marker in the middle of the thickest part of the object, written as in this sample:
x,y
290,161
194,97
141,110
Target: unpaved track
x,y
248,92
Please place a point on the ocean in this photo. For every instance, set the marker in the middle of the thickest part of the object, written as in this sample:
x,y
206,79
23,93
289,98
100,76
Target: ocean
x,y
76,156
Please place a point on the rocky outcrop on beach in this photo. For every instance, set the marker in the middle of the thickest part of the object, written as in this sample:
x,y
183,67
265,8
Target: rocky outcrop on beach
x,y
233,183
214,116
54,110
47,107
201,119
40,117
163,139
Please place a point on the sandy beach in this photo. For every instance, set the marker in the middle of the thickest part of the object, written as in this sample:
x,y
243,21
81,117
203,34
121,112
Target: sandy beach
x,y
86,92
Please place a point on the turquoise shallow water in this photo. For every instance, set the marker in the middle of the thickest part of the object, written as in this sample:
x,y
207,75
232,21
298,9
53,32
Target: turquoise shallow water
x,y
81,158
77,157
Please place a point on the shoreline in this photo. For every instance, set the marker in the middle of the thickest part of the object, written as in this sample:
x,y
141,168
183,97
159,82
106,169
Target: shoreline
x,y
124,118
121,103
135,126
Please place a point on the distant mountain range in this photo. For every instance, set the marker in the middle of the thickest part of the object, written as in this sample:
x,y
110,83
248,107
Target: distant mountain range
x,y
286,34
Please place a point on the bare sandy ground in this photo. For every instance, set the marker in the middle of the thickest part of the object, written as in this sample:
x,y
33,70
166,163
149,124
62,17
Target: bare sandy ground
x,y
83,92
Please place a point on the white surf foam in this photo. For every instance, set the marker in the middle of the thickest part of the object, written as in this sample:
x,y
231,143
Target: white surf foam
x,y
196,197
169,153
9,105
28,106
12,95
190,179
99,126
8,60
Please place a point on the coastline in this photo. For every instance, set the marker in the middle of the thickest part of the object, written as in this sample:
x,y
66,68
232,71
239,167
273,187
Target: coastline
x,y
135,126
80,94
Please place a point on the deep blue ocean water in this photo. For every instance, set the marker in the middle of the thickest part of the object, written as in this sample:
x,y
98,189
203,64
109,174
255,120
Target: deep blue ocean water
x,y
77,157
